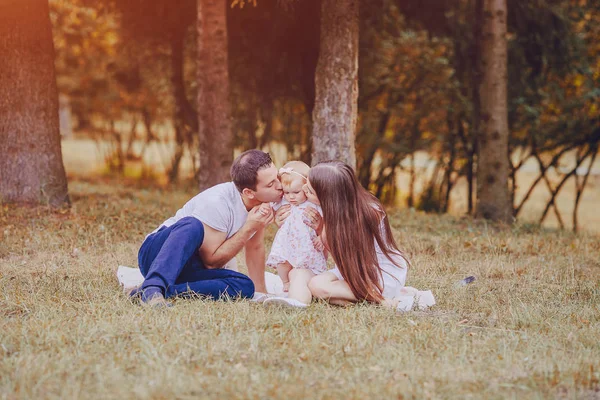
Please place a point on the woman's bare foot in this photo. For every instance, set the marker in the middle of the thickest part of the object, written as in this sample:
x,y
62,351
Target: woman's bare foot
x,y
391,303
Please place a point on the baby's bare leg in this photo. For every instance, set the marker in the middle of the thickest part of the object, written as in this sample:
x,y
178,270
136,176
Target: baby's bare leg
x,y
299,290
283,270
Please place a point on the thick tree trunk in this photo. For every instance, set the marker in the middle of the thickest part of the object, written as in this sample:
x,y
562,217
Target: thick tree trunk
x,y
216,139
493,200
336,83
31,167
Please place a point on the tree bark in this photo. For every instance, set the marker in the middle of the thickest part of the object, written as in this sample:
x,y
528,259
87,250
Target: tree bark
x,y
474,64
216,139
31,166
336,83
493,200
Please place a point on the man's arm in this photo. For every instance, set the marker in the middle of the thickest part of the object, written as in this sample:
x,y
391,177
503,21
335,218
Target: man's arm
x,y
255,260
216,250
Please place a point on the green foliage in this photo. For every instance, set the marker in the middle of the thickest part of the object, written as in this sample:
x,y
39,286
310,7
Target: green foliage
x,y
127,60
103,81
405,83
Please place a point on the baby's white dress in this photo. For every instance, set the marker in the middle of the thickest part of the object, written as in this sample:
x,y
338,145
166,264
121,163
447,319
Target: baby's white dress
x,y
294,243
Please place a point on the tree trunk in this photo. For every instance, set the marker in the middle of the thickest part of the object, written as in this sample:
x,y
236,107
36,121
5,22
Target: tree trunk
x,y
336,83
471,145
184,110
185,119
31,166
216,139
493,200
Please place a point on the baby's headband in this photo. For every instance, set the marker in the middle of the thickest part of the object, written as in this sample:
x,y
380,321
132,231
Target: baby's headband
x,y
283,170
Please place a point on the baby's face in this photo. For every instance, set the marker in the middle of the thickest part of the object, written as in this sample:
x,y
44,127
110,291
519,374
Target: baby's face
x,y
294,193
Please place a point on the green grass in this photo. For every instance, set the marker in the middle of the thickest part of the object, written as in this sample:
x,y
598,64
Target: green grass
x,y
527,328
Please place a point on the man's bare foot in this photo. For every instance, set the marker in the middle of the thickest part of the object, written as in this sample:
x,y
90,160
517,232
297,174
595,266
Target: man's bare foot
x,y
151,296
155,300
130,290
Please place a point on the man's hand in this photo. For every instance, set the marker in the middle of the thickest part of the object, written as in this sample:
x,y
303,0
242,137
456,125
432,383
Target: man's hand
x,y
282,213
259,217
313,219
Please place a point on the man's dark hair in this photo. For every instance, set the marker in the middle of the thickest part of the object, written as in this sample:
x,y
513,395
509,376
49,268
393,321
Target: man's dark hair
x,y
245,167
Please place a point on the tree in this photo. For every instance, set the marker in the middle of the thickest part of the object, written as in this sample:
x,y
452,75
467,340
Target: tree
x,y
215,135
336,83
31,167
164,30
493,200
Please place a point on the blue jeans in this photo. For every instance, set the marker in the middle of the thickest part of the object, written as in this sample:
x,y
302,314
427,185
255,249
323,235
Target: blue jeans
x,y
169,259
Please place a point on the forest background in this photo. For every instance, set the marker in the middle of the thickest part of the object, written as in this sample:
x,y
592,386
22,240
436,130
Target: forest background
x,y
129,103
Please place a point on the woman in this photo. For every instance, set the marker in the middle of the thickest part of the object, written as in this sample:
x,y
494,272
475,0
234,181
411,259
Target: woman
x,y
357,233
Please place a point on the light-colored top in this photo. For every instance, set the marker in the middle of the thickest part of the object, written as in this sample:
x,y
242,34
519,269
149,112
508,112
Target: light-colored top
x,y
392,278
293,243
220,207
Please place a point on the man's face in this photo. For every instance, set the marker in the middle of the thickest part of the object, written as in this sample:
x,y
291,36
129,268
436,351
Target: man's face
x,y
268,187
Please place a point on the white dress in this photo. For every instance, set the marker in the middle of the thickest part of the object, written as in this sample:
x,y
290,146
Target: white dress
x,y
294,243
392,278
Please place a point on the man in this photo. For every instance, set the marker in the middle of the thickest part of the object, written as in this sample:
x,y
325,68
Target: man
x,y
187,252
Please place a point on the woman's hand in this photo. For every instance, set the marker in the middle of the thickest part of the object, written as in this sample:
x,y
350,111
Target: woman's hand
x,y
313,219
318,243
282,213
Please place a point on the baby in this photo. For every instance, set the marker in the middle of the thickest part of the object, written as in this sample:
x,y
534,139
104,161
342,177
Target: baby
x,y
296,246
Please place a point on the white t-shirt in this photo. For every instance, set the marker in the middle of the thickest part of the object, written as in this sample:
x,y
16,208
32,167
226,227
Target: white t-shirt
x,y
220,207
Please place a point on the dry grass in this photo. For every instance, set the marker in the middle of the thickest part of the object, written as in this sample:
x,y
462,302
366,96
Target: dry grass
x,y
527,328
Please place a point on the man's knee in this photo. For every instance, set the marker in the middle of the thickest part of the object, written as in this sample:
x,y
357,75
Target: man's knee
x,y
242,287
239,285
193,228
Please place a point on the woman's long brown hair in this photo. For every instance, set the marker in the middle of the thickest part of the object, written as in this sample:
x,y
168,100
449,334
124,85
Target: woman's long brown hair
x,y
352,218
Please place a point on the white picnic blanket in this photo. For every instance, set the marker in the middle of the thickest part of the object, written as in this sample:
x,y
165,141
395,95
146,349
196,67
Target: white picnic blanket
x,y
409,297
132,277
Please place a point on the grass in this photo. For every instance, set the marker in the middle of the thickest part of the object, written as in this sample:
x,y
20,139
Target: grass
x,y
527,328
